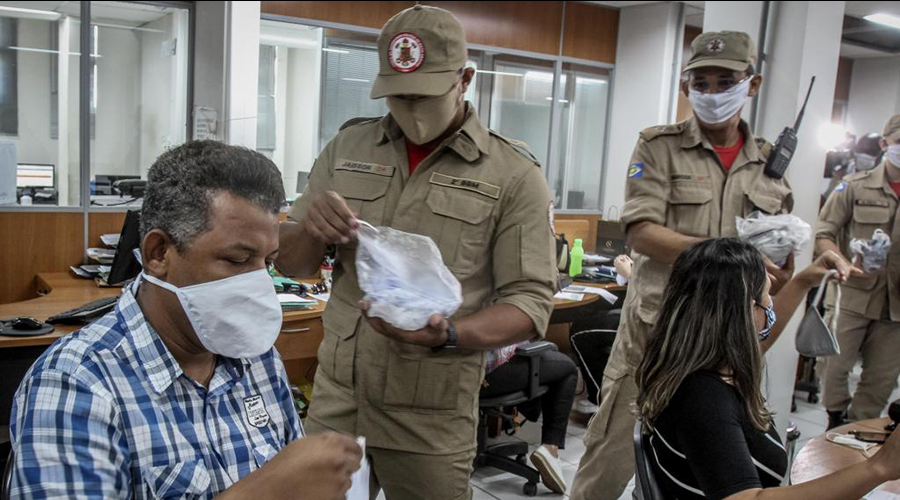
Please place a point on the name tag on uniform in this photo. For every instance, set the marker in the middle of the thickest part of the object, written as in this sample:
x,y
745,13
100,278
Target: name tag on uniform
x,y
872,203
481,187
367,168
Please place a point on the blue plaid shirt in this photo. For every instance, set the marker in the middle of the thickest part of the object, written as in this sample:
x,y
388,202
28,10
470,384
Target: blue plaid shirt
x,y
108,413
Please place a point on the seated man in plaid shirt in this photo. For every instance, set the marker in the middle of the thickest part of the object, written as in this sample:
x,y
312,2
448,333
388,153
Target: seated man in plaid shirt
x,y
178,392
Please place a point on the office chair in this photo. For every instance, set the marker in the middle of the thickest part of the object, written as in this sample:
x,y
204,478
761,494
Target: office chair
x,y
498,455
645,485
7,476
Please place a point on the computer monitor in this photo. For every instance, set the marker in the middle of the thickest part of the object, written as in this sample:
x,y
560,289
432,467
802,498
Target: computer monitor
x,y
125,265
35,175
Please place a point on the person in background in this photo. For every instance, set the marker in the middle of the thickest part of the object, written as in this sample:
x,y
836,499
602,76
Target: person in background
x,y
431,168
699,384
686,182
507,373
178,392
868,325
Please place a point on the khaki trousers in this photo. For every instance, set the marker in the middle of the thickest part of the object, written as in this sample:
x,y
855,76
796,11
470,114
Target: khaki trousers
x,y
608,461
878,343
413,476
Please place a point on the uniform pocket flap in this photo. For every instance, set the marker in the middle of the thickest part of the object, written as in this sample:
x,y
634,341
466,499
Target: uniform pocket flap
x,y
648,313
341,319
766,202
690,193
861,282
870,214
359,186
459,206
177,480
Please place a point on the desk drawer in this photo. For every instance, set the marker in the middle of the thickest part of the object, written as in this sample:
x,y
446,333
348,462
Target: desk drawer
x,y
300,339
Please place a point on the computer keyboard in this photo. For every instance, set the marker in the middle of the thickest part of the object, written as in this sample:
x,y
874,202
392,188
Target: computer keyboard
x,y
85,313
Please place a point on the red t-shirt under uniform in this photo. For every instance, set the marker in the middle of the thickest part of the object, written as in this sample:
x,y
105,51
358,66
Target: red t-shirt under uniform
x,y
728,154
416,154
896,187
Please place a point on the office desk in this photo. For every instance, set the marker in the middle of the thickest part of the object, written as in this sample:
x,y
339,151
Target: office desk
x,y
821,457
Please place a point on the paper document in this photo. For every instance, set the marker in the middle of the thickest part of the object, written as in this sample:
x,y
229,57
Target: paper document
x,y
110,240
359,487
320,296
569,296
290,298
592,258
602,292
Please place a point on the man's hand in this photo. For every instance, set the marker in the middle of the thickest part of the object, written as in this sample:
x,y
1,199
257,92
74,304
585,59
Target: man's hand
x,y
433,335
779,275
319,466
329,220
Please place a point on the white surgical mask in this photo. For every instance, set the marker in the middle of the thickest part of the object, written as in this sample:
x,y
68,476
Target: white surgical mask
x,y
893,155
424,120
865,162
850,441
719,107
236,317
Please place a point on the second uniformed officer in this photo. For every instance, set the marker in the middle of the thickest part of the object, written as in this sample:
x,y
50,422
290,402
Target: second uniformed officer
x,y
869,319
686,182
429,167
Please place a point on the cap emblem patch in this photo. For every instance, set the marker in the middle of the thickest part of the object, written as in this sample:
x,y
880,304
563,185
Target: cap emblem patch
x,y
406,52
716,45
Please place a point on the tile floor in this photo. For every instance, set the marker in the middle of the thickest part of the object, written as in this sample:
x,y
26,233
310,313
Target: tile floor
x,y
493,484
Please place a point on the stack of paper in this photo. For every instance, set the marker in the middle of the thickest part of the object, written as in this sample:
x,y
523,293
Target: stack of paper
x,y
110,240
605,294
293,302
101,255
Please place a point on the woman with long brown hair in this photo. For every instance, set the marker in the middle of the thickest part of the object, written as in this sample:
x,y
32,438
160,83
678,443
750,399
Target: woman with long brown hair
x,y
699,382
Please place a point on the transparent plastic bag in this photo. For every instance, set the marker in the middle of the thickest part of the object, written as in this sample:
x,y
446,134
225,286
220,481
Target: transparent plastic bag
x,y
776,236
873,252
404,278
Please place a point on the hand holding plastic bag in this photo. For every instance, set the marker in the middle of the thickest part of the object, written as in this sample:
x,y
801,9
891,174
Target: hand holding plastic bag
x,y
873,252
776,236
404,278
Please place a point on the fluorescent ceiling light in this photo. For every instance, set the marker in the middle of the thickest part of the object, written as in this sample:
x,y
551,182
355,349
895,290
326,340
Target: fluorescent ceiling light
x,y
47,51
47,15
498,73
356,80
336,51
885,19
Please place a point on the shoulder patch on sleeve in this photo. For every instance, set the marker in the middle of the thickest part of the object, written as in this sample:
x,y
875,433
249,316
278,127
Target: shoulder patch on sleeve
x,y
841,186
359,120
650,133
636,170
519,146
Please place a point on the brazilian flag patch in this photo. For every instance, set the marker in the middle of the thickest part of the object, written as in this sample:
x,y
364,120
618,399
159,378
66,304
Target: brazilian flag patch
x,y
636,170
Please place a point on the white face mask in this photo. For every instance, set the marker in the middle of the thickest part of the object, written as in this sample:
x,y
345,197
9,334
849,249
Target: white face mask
x,y
850,441
717,108
893,154
424,120
865,162
236,317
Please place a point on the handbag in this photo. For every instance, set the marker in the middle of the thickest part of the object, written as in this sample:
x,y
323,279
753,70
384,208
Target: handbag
x,y
814,337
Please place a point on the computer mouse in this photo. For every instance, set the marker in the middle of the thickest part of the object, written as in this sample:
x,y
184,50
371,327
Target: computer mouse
x,y
26,323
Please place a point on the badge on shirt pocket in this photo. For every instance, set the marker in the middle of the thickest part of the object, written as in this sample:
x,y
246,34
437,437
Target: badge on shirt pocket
x,y
257,416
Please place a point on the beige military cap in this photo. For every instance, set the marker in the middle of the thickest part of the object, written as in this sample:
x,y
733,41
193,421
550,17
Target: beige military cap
x,y
420,51
723,49
891,130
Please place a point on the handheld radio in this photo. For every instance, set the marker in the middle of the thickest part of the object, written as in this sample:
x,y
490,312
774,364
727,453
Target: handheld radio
x,y
784,148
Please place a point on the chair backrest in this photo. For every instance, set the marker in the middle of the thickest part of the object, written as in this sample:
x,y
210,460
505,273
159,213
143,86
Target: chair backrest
x,y
7,477
645,485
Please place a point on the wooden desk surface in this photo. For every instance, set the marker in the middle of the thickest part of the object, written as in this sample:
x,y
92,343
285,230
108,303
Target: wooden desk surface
x,y
63,291
821,457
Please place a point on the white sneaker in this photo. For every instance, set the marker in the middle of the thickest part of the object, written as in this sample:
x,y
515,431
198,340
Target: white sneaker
x,y
585,406
550,469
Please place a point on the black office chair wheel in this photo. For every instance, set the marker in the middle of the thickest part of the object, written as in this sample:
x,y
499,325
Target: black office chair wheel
x,y
530,489
522,459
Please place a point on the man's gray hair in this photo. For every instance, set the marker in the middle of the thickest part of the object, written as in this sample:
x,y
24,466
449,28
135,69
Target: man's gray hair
x,y
182,182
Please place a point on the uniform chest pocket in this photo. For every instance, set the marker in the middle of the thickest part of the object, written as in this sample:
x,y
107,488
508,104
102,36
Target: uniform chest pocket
x,y
459,224
364,193
767,203
689,207
869,217
181,480
420,383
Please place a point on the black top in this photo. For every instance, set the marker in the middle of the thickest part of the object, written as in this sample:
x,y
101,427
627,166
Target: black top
x,y
705,446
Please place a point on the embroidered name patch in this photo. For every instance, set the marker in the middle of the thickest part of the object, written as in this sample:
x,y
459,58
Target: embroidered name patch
x,y
484,188
257,416
368,168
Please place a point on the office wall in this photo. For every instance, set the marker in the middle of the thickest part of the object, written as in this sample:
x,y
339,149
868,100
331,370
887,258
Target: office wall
x,y
302,115
874,94
115,148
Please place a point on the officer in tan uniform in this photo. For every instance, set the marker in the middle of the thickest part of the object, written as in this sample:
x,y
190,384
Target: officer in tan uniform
x,y
869,318
686,182
431,168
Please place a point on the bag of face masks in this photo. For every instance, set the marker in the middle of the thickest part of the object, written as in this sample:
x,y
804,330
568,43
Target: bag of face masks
x,y
776,236
404,278
873,252
815,338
